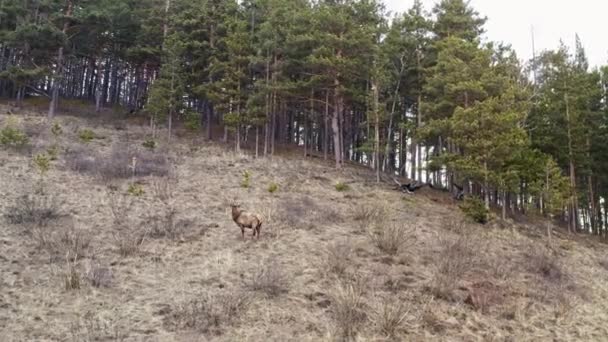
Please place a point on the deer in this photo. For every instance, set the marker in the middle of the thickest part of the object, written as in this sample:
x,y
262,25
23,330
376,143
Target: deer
x,y
245,219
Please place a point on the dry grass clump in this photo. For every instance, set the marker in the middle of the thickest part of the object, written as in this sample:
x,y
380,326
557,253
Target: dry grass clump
x,y
389,316
392,237
270,280
369,213
455,259
33,209
337,258
71,275
128,242
209,313
348,308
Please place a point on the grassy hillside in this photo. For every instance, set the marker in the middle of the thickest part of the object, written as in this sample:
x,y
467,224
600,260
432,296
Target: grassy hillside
x,y
102,247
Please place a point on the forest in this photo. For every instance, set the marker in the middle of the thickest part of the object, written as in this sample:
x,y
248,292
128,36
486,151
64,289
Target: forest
x,y
422,94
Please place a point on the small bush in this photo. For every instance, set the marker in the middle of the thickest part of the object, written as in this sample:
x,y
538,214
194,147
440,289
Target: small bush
x,y
475,209
273,187
270,280
369,214
42,163
392,237
36,209
209,313
149,144
246,182
86,135
348,308
56,130
136,190
340,186
163,189
389,316
13,137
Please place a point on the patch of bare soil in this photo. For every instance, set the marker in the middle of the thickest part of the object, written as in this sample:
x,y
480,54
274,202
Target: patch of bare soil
x,y
117,242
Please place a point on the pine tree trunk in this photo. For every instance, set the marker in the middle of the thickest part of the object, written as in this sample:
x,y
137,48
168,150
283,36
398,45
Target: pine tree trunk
x,y
58,74
574,200
376,109
326,127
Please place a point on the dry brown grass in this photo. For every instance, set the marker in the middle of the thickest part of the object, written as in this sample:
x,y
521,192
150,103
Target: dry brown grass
x,y
270,280
209,313
455,259
494,291
349,309
392,237
389,316
338,258
33,209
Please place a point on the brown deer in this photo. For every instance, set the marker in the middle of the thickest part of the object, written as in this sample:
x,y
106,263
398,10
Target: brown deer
x,y
245,219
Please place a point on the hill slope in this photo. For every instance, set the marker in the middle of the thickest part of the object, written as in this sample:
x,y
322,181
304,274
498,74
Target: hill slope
x,y
156,256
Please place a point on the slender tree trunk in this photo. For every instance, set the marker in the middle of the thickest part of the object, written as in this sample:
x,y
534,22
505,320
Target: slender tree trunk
x,y
376,110
574,200
326,127
58,74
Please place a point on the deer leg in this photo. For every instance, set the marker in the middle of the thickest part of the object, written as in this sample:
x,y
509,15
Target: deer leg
x,y
243,233
259,227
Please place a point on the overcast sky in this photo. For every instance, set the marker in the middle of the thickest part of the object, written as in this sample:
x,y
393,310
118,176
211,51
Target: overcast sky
x,y
510,21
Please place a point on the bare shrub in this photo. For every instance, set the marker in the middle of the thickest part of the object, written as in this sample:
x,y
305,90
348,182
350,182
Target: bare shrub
x,y
348,308
33,208
392,237
59,242
93,327
269,280
456,257
209,313
99,276
163,189
337,258
389,316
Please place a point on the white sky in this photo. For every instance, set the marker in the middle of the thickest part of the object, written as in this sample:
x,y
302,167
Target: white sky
x,y
510,21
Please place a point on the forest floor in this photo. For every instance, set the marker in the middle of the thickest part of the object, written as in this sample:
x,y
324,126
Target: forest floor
x,y
94,251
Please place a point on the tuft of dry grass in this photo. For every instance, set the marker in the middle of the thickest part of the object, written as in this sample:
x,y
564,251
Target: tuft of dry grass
x,y
546,265
71,275
270,280
389,316
348,308
209,313
393,237
128,242
338,258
